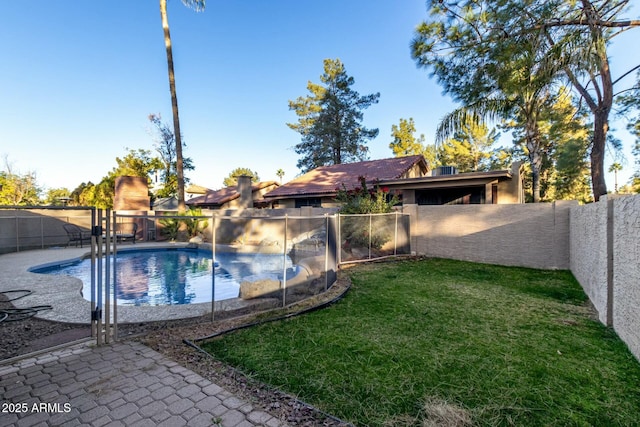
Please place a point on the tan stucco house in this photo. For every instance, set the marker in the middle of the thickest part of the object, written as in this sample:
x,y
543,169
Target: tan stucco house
x,y
243,195
409,177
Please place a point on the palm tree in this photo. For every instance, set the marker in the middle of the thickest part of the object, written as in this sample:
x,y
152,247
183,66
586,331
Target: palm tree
x,y
280,174
525,107
615,167
522,88
197,5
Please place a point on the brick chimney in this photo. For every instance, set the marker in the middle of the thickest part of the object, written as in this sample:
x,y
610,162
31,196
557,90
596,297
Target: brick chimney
x,y
131,193
244,188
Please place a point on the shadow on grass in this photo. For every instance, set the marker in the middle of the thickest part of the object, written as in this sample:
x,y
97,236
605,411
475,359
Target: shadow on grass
x,y
497,345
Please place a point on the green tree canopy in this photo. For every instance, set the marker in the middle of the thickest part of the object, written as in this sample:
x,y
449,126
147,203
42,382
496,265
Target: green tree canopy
x,y
232,179
513,48
165,145
330,120
471,148
58,197
565,135
136,163
19,189
404,142
495,78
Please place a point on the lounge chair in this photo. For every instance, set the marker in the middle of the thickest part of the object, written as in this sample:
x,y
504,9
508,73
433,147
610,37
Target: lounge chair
x,y
126,230
76,234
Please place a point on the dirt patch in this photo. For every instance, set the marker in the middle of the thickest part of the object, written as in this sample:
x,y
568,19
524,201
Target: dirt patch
x,y
21,335
444,414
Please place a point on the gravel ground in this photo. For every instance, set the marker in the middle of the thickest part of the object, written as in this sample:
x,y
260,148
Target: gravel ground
x,y
30,334
21,335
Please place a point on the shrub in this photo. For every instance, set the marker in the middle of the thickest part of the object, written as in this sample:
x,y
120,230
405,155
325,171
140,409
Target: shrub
x,y
362,200
170,228
193,226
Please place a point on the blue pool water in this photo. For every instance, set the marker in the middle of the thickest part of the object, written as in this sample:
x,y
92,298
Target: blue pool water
x,y
174,276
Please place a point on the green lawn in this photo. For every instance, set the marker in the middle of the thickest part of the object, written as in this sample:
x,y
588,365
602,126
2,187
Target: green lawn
x,y
418,342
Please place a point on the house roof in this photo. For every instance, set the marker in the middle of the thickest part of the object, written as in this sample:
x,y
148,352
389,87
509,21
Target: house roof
x,y
457,179
324,180
165,204
197,189
224,195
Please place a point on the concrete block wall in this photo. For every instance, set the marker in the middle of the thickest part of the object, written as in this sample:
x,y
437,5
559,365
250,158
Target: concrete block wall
x,y
588,253
626,271
598,242
24,229
253,226
535,236
605,259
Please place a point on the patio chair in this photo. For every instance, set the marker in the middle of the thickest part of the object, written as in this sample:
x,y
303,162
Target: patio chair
x,y
76,234
126,230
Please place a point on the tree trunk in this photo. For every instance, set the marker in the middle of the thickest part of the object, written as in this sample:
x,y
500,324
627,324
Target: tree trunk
x,y
604,103
174,106
535,157
535,176
600,129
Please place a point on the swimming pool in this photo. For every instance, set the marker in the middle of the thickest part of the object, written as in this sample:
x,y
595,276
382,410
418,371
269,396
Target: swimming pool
x,y
174,276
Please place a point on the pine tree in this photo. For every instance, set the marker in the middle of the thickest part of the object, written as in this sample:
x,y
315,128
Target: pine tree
x,y
232,179
330,120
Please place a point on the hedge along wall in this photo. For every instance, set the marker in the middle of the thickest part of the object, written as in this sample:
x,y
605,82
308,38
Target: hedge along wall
x,y
525,235
605,258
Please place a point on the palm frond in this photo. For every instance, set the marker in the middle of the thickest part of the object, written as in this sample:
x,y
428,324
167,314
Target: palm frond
x,y
478,113
197,5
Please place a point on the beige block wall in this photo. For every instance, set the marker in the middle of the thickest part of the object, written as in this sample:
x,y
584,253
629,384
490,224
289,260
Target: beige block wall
x,y
131,193
589,253
518,235
626,271
22,229
256,226
605,259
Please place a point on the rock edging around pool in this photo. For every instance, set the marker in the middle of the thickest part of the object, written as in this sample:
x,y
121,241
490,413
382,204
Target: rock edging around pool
x,y
70,307
307,281
308,278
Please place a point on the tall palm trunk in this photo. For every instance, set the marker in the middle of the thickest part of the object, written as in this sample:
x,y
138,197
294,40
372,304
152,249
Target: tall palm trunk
x,y
174,106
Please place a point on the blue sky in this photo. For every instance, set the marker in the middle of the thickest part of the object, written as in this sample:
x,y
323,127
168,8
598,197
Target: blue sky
x,y
79,79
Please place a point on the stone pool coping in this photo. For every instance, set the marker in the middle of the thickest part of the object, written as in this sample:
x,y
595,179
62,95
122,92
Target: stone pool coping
x,y
68,304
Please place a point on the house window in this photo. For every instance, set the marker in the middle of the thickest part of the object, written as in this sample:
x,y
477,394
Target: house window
x,y
451,196
309,201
